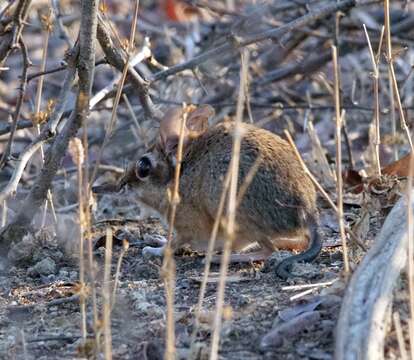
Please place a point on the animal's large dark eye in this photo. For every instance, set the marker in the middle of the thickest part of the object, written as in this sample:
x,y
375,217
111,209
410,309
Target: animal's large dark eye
x,y
143,167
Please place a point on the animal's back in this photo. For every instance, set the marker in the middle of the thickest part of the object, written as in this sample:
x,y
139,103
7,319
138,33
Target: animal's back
x,y
279,199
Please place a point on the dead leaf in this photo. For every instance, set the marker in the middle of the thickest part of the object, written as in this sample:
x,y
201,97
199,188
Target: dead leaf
x,y
179,11
398,168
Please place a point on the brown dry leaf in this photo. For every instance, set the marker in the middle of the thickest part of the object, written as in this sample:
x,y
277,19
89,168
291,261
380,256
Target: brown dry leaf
x,y
176,10
399,167
352,177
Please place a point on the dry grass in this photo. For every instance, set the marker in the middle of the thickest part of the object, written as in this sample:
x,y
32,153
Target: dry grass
x,y
338,138
103,306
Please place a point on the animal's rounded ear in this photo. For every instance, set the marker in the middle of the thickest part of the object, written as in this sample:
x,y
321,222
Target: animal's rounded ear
x,y
170,129
197,120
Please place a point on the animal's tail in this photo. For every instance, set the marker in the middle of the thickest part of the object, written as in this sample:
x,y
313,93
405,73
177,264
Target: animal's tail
x,y
315,246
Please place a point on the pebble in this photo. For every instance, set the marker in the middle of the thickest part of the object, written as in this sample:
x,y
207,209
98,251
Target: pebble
x,y
47,266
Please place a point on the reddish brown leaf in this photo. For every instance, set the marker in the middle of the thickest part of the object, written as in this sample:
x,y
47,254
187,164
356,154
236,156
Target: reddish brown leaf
x,y
399,167
176,10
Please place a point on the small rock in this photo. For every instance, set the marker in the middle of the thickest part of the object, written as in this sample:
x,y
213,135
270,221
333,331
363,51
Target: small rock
x,y
45,267
63,274
23,251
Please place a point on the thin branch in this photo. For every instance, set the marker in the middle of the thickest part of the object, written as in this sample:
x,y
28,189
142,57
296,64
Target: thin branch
x,y
22,91
47,133
119,61
12,37
85,66
228,46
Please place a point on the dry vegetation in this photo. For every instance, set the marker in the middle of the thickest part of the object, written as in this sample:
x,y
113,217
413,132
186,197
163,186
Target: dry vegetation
x,y
82,87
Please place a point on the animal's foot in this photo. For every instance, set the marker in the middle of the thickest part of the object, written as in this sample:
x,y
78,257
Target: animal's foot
x,y
149,251
154,240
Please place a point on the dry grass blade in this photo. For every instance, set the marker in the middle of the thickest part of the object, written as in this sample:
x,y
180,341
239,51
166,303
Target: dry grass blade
x,y
77,154
307,171
400,336
106,294
338,117
168,267
141,132
394,93
231,208
211,246
125,247
47,25
410,254
375,67
118,93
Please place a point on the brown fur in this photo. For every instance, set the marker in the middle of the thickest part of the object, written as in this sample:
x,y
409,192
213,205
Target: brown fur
x,y
275,211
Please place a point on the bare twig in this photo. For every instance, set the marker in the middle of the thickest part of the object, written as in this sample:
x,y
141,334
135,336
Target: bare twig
x,y
47,133
11,38
119,61
311,17
116,59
